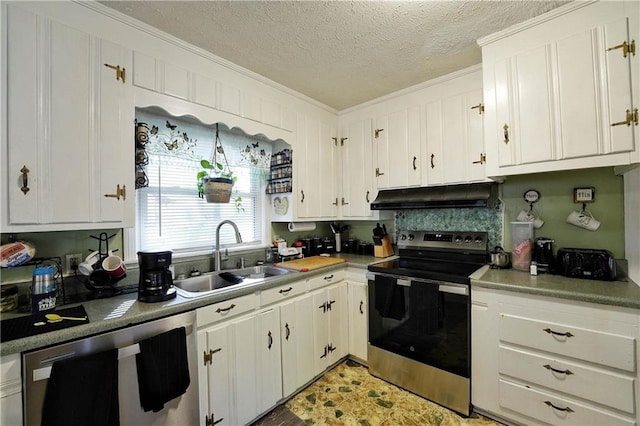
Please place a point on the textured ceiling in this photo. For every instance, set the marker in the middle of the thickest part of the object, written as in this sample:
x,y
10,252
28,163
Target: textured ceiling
x,y
341,53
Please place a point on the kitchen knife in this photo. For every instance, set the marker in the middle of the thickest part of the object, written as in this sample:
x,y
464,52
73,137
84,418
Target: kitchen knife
x,y
384,230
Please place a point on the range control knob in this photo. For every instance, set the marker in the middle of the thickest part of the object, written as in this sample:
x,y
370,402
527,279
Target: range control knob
x,y
411,237
458,239
403,237
478,241
467,240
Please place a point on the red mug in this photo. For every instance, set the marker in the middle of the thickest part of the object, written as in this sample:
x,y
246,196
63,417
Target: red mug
x,y
114,266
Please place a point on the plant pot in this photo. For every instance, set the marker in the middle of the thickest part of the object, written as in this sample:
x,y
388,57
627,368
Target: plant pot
x,y
217,190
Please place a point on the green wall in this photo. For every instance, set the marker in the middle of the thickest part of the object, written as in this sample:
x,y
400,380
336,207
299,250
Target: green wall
x,y
556,202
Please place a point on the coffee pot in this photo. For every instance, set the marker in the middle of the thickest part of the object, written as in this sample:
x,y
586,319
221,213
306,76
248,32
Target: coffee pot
x,y
156,282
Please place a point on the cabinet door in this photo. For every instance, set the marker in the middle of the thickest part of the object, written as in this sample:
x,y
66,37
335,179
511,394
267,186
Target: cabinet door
x,y
297,337
357,169
358,326
320,331
316,169
338,316
398,135
113,153
246,369
269,372
455,143
65,105
216,378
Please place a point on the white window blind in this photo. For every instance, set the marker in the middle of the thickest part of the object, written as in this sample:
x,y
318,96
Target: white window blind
x,y
170,216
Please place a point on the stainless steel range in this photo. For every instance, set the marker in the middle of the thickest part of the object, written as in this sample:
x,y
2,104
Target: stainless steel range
x,y
419,315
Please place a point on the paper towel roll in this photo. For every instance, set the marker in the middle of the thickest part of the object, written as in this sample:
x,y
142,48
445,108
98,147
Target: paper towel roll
x,y
301,226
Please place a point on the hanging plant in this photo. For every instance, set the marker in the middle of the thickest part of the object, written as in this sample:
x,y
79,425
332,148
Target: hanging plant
x,y
215,182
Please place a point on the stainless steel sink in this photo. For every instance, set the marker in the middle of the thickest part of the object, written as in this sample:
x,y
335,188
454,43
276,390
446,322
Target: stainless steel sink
x,y
210,283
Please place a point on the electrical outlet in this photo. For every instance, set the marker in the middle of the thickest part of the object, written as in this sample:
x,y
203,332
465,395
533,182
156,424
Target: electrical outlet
x,y
72,262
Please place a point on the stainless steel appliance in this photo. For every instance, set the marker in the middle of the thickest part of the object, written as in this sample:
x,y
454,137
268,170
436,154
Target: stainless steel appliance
x,y
156,283
419,315
182,410
590,264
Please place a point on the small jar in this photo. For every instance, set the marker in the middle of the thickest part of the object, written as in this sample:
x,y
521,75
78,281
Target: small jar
x,y
8,298
43,281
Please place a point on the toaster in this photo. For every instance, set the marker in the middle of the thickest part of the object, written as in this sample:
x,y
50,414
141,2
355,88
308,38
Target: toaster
x,y
592,264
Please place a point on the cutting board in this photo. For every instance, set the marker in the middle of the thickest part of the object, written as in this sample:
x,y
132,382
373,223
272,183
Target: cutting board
x,y
310,263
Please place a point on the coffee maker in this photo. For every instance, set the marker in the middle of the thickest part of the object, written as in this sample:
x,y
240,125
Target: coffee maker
x,y
543,255
156,283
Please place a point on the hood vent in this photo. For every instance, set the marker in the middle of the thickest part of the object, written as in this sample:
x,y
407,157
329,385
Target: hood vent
x,y
437,197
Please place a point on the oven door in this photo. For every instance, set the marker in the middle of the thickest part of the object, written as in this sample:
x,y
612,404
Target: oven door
x,y
423,320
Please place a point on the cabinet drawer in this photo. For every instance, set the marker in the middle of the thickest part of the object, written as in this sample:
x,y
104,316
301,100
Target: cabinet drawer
x,y
613,390
283,292
540,405
227,309
590,345
326,279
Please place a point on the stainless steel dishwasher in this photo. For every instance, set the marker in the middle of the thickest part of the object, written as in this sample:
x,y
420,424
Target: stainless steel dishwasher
x,y
180,411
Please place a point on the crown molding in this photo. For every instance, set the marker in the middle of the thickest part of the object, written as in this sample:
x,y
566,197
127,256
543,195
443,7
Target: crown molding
x,y
548,16
154,32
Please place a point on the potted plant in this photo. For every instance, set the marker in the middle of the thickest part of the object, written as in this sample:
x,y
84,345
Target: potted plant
x,y
215,181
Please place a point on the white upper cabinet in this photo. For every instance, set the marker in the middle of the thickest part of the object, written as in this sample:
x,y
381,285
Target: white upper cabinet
x,y
558,93
315,163
357,169
396,140
69,144
454,147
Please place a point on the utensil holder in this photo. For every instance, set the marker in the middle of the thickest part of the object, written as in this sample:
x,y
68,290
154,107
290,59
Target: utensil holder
x,y
384,249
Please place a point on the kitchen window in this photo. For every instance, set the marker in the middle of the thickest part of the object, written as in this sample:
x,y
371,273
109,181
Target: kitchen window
x,y
169,213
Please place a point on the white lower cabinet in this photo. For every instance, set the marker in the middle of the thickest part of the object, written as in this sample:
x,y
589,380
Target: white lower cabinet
x,y
540,360
10,390
240,374
296,332
358,320
330,328
258,348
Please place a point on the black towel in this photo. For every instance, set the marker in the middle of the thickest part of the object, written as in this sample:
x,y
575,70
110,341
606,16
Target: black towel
x,y
163,369
83,391
389,298
424,307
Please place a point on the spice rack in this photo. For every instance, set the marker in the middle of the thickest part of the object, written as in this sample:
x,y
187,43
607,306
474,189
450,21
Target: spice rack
x,y
281,172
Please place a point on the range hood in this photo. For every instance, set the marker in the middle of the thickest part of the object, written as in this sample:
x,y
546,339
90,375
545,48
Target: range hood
x,y
437,197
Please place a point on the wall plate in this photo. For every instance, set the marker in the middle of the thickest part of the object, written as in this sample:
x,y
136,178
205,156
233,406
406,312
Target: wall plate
x,y
531,196
584,195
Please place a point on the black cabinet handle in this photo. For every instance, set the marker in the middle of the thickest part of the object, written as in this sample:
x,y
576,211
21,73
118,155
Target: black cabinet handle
x,y
328,277
555,407
361,311
220,310
270,340
285,290
414,162
323,307
287,331
550,331
567,371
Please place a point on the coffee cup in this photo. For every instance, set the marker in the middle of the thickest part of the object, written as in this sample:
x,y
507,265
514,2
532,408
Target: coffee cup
x,y
89,264
583,219
530,216
114,266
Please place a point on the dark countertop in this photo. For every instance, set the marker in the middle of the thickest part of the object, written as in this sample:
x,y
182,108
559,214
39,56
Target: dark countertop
x,y
124,310
615,293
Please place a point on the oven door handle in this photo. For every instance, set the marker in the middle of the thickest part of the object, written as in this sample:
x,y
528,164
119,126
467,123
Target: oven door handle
x,y
453,289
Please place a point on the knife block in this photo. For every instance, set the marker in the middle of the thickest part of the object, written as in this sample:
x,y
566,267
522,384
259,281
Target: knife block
x,y
384,249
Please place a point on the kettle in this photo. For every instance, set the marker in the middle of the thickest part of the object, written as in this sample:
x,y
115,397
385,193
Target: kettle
x,y
500,259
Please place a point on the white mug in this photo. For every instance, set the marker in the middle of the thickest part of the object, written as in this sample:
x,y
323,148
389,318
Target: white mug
x,y
88,265
530,216
583,219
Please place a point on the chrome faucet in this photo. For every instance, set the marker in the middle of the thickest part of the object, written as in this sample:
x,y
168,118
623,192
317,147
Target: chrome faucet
x,y
217,256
